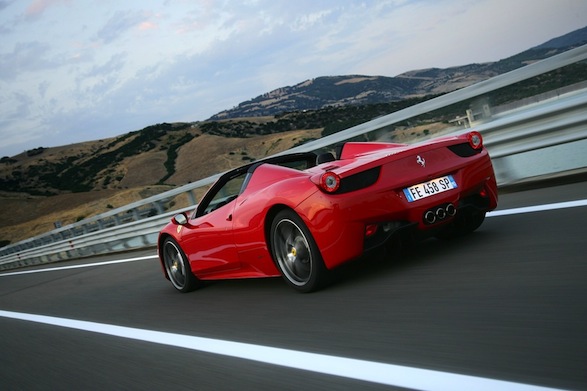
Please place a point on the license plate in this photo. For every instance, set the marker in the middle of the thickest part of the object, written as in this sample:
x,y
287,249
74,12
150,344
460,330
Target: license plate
x,y
427,189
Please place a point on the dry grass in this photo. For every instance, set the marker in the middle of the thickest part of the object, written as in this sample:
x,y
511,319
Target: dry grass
x,y
26,216
23,216
208,154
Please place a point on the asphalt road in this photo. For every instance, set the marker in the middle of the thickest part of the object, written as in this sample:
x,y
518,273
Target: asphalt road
x,y
507,303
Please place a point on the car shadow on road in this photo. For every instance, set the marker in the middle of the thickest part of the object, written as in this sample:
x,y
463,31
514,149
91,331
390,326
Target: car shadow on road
x,y
400,258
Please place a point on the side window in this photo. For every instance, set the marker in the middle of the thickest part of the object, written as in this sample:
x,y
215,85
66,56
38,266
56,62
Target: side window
x,y
231,189
225,194
230,184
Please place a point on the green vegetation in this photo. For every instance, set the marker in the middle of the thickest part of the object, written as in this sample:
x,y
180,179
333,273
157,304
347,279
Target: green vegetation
x,y
172,155
35,151
8,160
550,81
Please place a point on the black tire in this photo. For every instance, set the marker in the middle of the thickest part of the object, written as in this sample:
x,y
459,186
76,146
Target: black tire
x,y
473,222
178,268
463,226
295,252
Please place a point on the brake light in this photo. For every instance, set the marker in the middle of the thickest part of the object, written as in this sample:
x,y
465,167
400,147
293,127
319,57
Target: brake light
x,y
329,182
475,140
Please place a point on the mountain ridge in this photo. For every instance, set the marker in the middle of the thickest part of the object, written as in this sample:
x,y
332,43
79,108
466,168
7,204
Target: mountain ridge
x,y
335,91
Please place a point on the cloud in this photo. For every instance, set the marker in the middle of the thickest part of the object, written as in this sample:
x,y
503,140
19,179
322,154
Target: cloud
x,y
118,24
38,7
25,57
43,87
114,64
5,3
147,25
22,106
19,114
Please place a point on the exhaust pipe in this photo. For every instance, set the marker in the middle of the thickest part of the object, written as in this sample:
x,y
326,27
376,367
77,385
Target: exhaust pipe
x,y
439,213
451,210
430,217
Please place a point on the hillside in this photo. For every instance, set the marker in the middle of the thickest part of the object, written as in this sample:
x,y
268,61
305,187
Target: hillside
x,y
124,179
65,184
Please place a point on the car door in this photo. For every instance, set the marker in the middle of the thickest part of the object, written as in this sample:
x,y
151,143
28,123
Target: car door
x,y
209,240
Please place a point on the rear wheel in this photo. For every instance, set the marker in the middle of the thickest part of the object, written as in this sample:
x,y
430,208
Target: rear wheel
x,y
295,252
473,221
178,268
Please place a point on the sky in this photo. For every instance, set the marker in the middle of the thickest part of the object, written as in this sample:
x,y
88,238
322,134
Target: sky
x,y
81,70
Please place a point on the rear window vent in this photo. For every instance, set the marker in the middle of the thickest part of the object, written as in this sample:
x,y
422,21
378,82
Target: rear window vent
x,y
359,181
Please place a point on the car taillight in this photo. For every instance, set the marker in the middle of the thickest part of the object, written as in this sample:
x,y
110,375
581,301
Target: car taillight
x,y
475,140
329,182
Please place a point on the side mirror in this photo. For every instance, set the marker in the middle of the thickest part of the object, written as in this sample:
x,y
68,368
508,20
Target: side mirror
x,y
180,219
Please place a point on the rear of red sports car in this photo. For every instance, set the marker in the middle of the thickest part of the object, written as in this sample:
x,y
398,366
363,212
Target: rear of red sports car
x,y
375,191
301,222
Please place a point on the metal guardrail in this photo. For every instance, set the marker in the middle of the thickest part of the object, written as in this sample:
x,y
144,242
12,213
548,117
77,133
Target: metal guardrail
x,y
556,122
540,126
511,138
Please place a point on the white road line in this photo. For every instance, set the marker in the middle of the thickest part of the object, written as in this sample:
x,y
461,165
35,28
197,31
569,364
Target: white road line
x,y
52,269
538,208
375,372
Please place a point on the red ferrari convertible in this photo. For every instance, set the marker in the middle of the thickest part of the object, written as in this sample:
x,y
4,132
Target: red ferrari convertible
x,y
301,215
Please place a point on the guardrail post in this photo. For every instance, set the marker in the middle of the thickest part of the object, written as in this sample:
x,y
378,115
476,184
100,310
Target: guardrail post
x,y
158,207
191,197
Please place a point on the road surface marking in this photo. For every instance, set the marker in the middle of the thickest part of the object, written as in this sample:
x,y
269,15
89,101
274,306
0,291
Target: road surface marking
x,y
369,371
52,269
538,208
